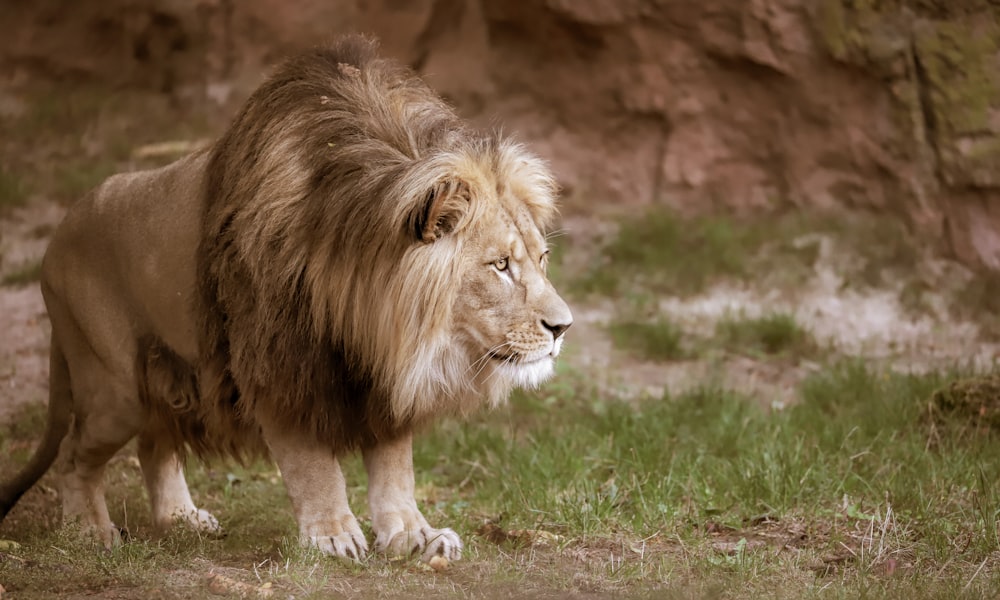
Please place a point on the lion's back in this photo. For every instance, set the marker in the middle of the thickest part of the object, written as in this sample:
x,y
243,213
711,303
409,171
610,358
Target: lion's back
x,y
128,247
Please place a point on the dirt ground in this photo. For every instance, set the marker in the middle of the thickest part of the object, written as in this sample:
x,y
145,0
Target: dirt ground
x,y
24,325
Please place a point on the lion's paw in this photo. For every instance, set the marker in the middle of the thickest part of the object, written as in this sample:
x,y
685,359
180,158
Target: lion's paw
x,y
107,537
204,522
426,541
196,519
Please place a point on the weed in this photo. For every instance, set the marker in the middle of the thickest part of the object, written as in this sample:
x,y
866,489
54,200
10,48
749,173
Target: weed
x,y
73,180
25,274
667,254
774,333
13,191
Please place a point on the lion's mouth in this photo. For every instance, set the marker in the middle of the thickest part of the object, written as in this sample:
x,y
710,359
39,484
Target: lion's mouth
x,y
524,370
512,358
507,357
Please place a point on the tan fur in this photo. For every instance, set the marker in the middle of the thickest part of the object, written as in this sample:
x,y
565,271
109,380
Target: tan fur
x,y
348,263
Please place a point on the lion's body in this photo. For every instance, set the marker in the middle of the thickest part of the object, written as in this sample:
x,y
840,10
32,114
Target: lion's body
x,y
346,264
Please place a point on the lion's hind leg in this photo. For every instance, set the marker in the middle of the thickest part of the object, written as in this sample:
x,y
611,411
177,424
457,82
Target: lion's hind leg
x,y
105,417
94,437
400,527
318,493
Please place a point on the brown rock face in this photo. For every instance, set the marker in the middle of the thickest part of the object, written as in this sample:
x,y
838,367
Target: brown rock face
x,y
732,104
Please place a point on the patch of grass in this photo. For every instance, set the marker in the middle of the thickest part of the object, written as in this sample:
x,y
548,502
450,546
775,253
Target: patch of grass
x,y
73,180
670,254
659,339
774,333
13,191
700,493
979,302
27,273
883,243
663,253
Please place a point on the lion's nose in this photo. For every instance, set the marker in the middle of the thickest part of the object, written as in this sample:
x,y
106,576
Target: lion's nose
x,y
557,329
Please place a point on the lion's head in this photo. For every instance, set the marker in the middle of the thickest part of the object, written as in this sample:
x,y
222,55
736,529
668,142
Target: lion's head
x,y
480,239
360,241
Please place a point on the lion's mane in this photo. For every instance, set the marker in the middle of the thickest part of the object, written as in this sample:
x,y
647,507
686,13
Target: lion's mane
x,y
321,308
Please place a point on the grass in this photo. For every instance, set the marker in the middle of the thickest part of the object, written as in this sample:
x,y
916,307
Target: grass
x,y
770,334
70,140
662,252
25,274
73,180
659,339
699,494
12,191
774,334
669,254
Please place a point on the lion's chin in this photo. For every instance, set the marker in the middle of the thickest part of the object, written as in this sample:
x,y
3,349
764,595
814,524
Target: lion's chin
x,y
527,374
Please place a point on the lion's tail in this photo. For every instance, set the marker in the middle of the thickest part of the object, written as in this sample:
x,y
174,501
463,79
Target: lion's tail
x,y
60,417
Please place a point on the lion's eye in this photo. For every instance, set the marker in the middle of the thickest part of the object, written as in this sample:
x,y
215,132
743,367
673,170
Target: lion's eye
x,y
544,260
500,264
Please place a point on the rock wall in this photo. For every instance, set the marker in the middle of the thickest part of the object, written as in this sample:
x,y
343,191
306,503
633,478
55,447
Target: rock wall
x,y
743,105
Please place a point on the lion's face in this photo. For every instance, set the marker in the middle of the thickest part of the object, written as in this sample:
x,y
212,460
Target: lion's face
x,y
508,314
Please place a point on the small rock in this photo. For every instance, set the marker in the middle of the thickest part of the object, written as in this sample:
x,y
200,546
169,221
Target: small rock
x,y
438,563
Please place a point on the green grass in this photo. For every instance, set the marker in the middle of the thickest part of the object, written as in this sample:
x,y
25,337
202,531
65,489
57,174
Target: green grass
x,y
770,334
73,180
668,254
699,494
13,191
661,252
72,139
25,274
659,339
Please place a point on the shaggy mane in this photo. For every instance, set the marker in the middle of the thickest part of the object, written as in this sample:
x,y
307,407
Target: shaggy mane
x,y
321,307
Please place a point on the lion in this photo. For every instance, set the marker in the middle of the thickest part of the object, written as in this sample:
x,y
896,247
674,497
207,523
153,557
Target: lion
x,y
347,264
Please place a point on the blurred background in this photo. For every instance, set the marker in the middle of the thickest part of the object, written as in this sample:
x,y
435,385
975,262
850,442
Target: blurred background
x,y
737,105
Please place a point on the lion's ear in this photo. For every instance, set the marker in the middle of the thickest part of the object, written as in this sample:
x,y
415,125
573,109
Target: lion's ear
x,y
443,209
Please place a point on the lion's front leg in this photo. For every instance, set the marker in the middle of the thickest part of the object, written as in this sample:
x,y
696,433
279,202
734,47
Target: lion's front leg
x,y
318,493
400,528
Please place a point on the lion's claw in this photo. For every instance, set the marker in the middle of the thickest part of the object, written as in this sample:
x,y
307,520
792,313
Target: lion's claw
x,y
426,541
345,545
199,520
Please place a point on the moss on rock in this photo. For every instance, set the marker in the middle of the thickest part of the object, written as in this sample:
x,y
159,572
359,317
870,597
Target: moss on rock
x,y
959,59
941,59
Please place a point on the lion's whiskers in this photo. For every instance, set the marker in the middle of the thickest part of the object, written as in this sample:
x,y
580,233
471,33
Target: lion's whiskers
x,y
509,359
484,359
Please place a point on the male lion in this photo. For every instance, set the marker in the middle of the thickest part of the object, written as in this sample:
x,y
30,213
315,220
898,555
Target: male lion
x,y
346,264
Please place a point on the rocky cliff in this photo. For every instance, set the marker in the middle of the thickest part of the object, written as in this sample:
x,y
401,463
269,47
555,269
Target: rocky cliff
x,y
891,105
